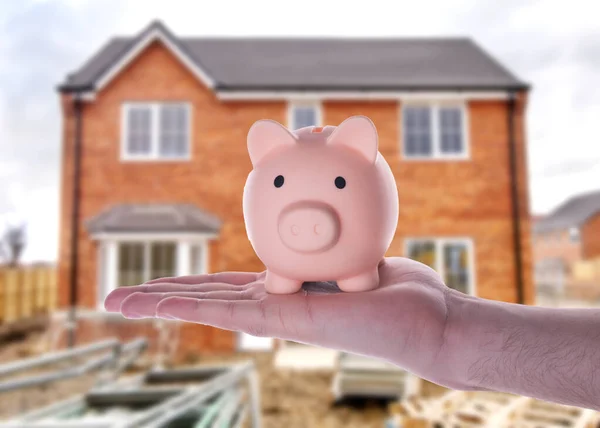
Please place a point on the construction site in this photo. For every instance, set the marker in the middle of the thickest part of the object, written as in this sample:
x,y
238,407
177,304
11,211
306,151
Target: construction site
x,y
110,383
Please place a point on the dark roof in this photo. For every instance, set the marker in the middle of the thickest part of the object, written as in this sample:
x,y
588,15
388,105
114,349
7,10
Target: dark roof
x,y
321,63
152,218
572,213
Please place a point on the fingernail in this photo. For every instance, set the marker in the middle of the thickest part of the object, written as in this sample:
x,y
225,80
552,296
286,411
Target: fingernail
x,y
112,303
140,305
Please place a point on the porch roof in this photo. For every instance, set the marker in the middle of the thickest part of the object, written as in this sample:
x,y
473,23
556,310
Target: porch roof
x,y
153,218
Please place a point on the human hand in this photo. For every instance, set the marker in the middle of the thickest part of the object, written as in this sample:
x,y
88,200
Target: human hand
x,y
412,320
403,321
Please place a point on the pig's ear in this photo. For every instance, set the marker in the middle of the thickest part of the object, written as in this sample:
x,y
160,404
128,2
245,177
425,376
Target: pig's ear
x,y
359,134
266,135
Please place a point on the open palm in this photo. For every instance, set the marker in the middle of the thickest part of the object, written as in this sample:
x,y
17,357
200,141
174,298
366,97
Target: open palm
x,y
403,321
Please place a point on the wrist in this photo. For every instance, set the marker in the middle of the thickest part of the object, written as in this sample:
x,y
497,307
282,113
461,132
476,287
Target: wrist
x,y
464,332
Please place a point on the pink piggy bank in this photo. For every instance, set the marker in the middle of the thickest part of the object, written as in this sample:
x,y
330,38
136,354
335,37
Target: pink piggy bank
x,y
321,204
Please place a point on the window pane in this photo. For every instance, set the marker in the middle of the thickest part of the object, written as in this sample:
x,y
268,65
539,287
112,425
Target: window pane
x,y
196,260
163,259
417,131
456,266
304,116
131,264
139,124
174,125
451,131
422,251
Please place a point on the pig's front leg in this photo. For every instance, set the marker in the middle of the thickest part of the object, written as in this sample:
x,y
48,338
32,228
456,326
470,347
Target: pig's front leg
x,y
276,284
363,282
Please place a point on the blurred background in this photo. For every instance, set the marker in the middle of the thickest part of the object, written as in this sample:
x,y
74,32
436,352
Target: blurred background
x,y
123,158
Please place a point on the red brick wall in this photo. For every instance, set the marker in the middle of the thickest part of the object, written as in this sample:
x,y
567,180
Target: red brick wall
x,y
218,141
590,237
459,198
469,198
218,132
193,339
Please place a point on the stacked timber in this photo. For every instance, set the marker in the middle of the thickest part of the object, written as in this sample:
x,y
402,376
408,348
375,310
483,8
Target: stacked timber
x,y
538,413
460,409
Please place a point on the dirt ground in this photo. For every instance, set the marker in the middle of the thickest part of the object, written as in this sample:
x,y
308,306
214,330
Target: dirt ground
x,y
303,399
289,399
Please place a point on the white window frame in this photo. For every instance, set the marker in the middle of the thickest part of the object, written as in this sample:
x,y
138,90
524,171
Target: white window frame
x,y
439,262
304,104
155,132
436,154
108,257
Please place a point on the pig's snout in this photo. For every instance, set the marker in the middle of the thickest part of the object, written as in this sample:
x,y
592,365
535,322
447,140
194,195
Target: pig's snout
x,y
309,227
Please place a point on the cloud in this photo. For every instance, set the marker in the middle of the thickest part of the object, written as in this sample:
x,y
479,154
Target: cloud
x,y
41,42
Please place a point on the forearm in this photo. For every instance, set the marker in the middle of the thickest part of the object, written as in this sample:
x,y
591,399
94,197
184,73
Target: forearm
x,y
547,353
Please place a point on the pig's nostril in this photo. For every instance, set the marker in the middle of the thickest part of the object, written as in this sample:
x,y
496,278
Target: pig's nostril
x,y
317,229
295,230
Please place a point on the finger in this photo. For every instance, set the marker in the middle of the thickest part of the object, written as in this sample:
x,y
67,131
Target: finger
x,y
140,305
143,305
225,314
115,299
314,319
236,278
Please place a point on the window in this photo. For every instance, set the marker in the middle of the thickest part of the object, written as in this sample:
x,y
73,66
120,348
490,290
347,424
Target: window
x,y
139,262
302,115
125,260
574,234
434,131
162,259
451,258
417,131
156,131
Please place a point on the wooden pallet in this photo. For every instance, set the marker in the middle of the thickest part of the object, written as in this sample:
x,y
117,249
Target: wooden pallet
x,y
458,409
538,414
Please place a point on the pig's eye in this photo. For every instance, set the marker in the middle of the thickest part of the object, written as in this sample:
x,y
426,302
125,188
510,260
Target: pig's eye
x,y
340,182
278,181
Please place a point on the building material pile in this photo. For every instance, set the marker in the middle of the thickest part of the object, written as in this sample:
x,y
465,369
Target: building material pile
x,y
217,395
460,409
358,376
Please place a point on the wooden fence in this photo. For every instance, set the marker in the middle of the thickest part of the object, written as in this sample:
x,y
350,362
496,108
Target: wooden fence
x,y
27,292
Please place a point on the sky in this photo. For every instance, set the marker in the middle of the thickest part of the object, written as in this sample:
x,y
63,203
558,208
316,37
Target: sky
x,y
551,44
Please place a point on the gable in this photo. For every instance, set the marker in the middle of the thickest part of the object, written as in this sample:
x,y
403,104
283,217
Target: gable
x,y
137,48
115,57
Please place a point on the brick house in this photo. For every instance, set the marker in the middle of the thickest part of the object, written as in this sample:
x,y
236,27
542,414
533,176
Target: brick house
x,y
567,235
158,124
